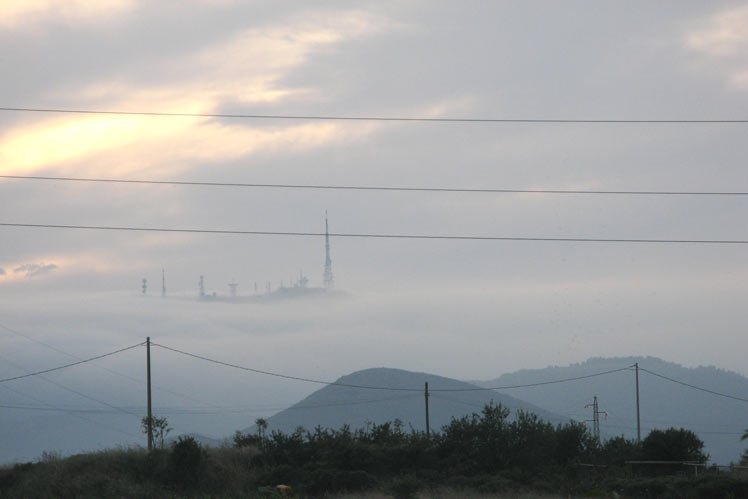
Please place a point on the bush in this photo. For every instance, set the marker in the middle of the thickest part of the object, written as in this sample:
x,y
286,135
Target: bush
x,y
405,487
356,481
187,462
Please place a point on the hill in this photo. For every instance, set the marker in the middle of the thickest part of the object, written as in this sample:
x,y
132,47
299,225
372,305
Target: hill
x,y
719,421
333,406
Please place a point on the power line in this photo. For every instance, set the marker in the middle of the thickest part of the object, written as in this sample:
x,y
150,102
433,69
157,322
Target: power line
x,y
73,414
70,365
372,118
34,340
71,390
58,409
125,376
720,394
563,380
191,411
278,375
378,236
378,188
388,388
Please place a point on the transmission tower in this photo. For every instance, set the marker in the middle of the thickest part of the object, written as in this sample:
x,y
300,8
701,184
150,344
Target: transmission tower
x,y
201,285
595,418
163,284
144,286
328,278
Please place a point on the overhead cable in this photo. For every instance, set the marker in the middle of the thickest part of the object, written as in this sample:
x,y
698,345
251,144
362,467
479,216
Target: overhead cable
x,y
369,118
188,411
278,375
377,236
72,414
720,394
122,375
388,388
554,381
71,365
63,352
379,187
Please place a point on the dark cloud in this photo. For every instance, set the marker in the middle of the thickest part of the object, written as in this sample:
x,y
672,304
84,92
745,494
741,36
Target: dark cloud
x,y
35,269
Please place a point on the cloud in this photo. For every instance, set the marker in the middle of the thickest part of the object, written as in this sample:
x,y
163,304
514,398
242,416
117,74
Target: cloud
x,y
35,269
724,39
2,271
246,68
17,14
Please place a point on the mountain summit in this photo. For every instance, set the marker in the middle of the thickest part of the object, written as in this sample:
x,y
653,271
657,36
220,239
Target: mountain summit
x,y
401,397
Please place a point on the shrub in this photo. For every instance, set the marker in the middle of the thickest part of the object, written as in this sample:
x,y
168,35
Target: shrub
x,y
187,462
405,487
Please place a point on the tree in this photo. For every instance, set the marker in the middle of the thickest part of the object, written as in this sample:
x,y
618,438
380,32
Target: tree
x,y
673,445
262,425
618,450
744,455
160,427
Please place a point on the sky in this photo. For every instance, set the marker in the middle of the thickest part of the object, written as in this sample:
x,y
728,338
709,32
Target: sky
x,y
463,309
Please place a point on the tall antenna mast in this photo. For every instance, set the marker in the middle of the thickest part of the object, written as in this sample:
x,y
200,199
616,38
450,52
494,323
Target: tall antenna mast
x,y
163,284
328,278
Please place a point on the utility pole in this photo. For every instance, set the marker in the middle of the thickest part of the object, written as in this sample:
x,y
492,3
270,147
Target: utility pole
x,y
638,420
148,376
428,426
595,418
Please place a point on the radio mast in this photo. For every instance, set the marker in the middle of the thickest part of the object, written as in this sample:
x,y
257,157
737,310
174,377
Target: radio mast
x,y
328,278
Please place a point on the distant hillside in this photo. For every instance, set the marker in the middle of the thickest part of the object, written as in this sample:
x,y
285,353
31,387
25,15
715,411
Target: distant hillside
x,y
718,421
334,406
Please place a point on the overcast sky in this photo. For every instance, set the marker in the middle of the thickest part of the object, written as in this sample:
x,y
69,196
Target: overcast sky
x,y
465,309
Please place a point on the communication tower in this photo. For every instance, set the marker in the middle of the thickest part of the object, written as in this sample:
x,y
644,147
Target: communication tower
x,y
144,286
328,277
201,286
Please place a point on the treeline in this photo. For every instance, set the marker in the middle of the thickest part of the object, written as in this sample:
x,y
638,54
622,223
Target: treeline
x,y
487,452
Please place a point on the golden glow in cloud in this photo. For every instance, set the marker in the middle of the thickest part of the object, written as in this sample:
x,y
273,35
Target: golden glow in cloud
x,y
725,38
58,264
245,68
17,14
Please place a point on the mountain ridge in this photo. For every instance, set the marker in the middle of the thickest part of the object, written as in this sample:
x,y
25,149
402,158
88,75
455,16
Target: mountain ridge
x,y
392,394
717,420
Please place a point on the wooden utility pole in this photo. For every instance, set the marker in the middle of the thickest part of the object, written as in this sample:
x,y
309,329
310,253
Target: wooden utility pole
x,y
638,421
428,426
148,376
